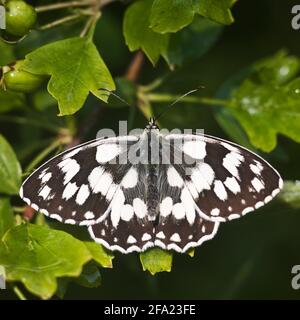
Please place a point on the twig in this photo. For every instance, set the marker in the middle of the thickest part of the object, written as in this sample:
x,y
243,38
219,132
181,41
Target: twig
x,y
62,5
60,21
135,67
166,97
42,155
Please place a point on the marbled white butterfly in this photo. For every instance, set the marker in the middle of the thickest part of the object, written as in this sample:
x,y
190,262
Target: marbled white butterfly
x,y
173,193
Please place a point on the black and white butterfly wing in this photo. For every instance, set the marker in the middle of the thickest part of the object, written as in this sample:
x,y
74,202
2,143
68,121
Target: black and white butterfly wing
x,y
77,186
226,181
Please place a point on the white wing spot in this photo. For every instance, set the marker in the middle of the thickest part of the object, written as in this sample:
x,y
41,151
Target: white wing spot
x,y
70,221
70,167
259,204
215,212
247,210
139,208
103,184
46,177
257,184
195,149
107,152
231,162
131,239
203,176
89,215
178,211
188,204
232,184
44,193
82,194
69,190
174,179
256,168
94,177
161,235
127,212
219,190
130,180
72,153
56,216
146,237
116,207
175,237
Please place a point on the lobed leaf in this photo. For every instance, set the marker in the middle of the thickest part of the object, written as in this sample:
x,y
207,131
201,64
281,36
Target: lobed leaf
x,y
75,67
171,15
10,169
192,42
37,255
99,254
216,10
267,101
138,34
156,260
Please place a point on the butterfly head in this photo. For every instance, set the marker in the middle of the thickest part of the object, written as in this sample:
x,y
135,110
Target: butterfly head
x,y
152,125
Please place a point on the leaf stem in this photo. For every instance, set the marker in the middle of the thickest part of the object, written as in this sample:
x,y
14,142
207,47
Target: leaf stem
x,y
43,154
61,21
62,5
19,293
90,25
25,121
166,97
19,209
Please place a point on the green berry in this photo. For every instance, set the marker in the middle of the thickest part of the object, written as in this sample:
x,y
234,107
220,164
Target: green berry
x,y
20,18
20,80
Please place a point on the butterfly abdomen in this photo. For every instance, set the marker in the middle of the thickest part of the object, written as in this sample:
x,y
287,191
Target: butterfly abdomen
x,y
152,197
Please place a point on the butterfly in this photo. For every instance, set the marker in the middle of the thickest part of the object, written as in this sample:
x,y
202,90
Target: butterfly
x,y
153,189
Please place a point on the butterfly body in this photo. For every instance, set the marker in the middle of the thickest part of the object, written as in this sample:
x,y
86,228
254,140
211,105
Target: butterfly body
x,y
153,189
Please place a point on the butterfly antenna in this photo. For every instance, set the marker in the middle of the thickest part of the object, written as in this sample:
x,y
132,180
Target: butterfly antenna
x,y
117,96
177,100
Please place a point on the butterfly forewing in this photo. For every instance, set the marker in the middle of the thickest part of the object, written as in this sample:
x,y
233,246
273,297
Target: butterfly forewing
x,y
225,180
77,186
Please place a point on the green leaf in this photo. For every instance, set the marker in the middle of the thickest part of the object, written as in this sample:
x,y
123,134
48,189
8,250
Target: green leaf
x,y
10,169
7,54
192,42
90,276
216,10
138,35
290,194
156,260
76,69
6,216
171,15
99,254
267,102
37,255
11,100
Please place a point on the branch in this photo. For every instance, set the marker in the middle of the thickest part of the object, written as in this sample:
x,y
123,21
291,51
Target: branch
x,y
135,67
